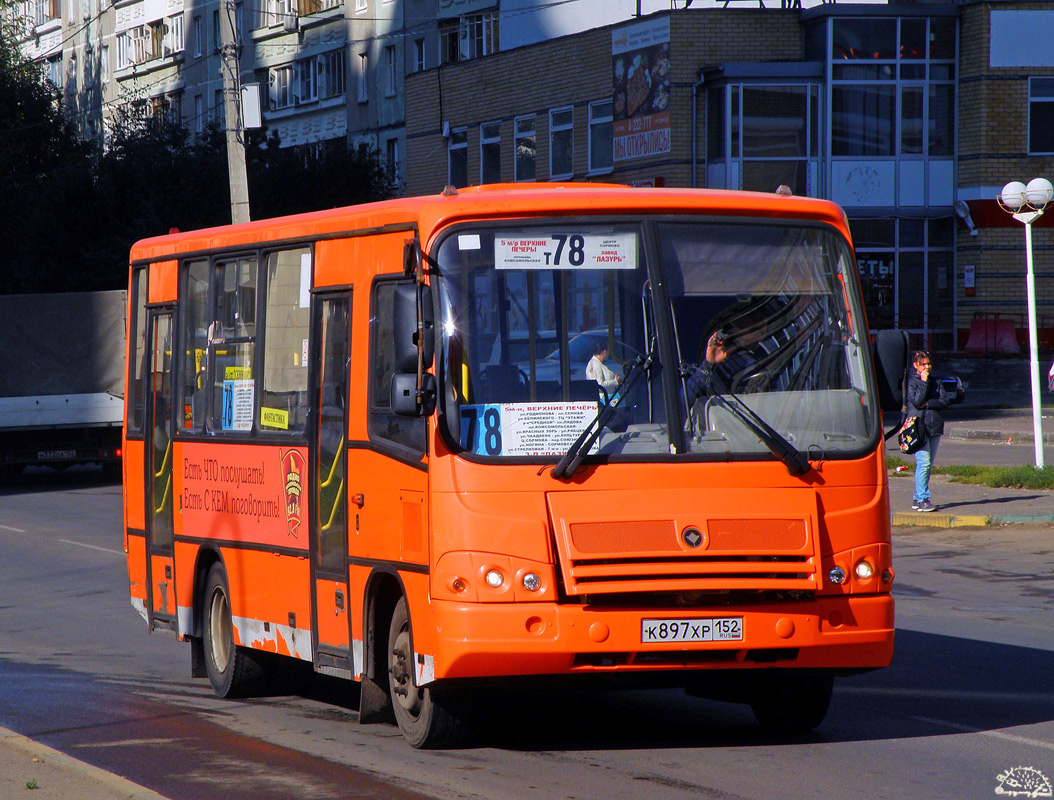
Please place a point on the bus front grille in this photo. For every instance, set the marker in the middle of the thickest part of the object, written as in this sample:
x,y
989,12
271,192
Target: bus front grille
x,y
729,555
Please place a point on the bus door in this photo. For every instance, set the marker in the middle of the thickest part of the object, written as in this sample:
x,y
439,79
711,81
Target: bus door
x,y
160,581
329,529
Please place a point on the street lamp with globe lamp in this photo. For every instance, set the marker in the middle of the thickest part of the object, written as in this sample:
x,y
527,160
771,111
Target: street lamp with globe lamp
x,y
1026,204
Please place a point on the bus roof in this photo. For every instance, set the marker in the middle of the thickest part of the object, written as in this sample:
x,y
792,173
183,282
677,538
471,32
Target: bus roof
x,y
429,213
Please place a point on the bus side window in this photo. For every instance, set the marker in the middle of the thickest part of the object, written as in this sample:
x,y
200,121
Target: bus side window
x,y
287,320
137,340
232,346
196,313
408,434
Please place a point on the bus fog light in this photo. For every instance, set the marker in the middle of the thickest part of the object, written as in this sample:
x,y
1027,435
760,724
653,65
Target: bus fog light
x,y
494,579
836,576
864,570
531,582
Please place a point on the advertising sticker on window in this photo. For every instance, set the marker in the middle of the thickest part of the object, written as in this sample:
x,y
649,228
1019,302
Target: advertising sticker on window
x,y
524,429
238,399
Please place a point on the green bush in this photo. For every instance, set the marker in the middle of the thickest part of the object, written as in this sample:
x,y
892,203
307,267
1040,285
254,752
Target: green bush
x,y
1022,477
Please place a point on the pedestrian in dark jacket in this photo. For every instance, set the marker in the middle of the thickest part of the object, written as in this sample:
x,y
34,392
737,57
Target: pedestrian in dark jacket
x,y
926,399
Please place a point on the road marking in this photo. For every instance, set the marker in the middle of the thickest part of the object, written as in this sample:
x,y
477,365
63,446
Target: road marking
x,y
13,530
93,547
1009,737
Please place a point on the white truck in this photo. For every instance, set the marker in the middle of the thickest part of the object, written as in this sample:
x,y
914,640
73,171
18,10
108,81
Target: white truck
x,y
61,380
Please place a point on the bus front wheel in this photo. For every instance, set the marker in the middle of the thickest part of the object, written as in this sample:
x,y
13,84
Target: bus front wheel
x,y
234,671
788,703
428,717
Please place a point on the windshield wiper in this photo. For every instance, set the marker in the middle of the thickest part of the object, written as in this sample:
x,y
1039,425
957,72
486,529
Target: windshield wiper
x,y
576,452
797,462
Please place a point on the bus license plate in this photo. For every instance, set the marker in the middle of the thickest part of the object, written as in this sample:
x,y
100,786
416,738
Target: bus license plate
x,y
45,455
723,629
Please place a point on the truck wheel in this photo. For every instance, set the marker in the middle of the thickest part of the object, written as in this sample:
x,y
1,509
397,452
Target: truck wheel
x,y
429,718
234,671
787,703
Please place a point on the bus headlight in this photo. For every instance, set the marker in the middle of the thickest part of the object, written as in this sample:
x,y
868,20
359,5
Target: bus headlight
x,y
836,576
494,578
864,570
531,582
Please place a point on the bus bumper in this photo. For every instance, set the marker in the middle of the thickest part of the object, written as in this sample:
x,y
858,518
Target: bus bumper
x,y
493,640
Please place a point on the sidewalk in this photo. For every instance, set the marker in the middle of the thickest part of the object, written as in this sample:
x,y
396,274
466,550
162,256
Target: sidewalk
x,y
29,769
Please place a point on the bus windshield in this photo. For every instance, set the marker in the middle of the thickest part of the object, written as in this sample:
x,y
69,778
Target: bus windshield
x,y
740,338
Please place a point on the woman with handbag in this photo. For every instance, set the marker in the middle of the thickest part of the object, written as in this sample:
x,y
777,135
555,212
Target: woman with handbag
x,y
926,398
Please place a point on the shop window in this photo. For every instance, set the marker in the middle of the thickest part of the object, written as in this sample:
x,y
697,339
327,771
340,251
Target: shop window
x,y
1041,115
526,148
863,119
600,136
561,143
490,152
457,158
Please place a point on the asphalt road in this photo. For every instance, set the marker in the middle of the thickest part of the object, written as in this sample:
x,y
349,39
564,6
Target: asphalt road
x,y
969,698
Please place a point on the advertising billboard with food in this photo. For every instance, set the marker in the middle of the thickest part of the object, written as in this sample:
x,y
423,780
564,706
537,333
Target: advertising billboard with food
x,y
640,59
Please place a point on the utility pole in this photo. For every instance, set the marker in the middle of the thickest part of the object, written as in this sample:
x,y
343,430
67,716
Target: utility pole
x,y
230,69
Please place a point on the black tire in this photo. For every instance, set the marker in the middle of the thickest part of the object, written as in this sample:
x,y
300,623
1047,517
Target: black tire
x,y
429,718
787,703
234,671
111,472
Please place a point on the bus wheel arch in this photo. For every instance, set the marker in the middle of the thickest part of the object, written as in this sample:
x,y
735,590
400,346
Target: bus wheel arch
x,y
429,717
383,590
233,670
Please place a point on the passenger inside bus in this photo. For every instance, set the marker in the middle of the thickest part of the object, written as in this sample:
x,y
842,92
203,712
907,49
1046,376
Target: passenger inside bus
x,y
598,370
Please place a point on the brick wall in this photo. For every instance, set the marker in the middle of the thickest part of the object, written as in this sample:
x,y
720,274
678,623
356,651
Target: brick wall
x,y
993,150
575,70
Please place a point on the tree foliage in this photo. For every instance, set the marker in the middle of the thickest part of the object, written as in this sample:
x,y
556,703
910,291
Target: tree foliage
x,y
35,137
70,211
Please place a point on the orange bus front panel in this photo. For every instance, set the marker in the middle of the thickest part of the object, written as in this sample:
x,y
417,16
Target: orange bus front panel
x,y
478,640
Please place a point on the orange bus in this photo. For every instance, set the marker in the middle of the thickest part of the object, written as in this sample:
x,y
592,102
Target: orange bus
x,y
437,444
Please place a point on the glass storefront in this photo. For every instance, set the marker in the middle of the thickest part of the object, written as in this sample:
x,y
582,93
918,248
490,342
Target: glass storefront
x,y
907,271
868,121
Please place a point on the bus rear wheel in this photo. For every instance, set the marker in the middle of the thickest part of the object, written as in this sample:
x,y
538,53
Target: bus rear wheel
x,y
788,703
234,671
429,718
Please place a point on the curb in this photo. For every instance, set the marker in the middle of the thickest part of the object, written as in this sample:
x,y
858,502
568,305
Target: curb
x,y
121,785
930,519
1021,437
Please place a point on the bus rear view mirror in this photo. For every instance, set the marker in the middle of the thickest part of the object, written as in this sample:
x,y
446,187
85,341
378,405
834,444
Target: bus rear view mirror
x,y
407,400
413,322
891,359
